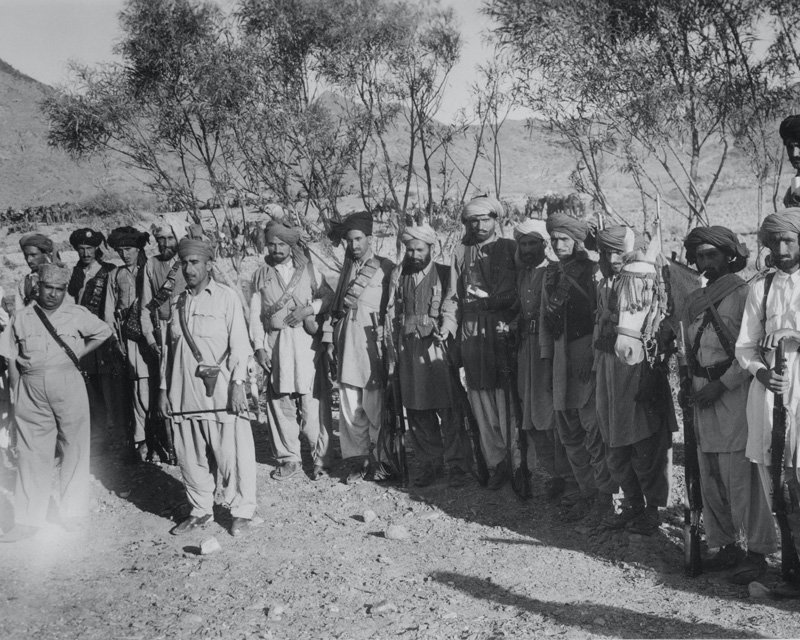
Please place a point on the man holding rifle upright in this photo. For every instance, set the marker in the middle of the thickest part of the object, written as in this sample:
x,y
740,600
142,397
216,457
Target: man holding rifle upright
x,y
772,313
734,506
421,325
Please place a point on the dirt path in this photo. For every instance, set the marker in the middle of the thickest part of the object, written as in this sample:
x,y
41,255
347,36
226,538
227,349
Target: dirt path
x,y
477,564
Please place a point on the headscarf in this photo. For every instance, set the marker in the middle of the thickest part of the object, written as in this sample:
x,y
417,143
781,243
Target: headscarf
x,y
169,224
531,227
41,242
783,221
192,247
790,128
723,239
128,237
481,206
289,234
88,237
52,273
359,221
619,239
563,223
423,232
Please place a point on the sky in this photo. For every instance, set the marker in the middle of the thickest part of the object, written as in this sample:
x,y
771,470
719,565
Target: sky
x,y
40,37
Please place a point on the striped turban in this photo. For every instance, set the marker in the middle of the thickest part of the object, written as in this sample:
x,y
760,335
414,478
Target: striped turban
x,y
619,239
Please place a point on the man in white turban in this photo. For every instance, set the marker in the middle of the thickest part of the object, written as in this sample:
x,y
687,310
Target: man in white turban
x,y
538,415
419,293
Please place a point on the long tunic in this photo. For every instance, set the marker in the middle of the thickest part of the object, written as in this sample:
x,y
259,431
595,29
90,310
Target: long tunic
x,y
291,350
483,275
783,312
721,426
357,348
423,370
534,391
622,419
121,294
215,320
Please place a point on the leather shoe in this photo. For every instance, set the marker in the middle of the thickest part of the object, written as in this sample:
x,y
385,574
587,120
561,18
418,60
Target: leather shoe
x,y
356,472
19,532
456,478
497,477
191,523
751,569
238,525
727,557
285,471
317,472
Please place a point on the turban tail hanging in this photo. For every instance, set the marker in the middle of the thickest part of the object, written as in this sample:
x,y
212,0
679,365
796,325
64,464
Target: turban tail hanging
x,y
359,221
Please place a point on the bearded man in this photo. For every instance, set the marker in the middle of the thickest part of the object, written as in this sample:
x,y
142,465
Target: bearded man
x,y
362,290
538,415
634,425
38,250
790,135
567,320
420,325
482,294
288,296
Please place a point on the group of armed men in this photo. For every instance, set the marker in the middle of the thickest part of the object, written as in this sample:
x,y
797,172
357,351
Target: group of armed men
x,y
161,349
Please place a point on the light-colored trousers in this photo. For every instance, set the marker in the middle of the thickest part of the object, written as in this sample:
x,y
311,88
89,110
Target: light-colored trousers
x,y
360,412
290,415
233,451
491,412
52,405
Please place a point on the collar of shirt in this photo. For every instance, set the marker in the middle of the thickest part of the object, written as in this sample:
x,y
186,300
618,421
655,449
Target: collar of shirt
x,y
285,269
419,275
783,276
358,264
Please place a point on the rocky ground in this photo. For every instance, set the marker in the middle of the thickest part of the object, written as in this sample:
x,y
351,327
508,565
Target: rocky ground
x,y
315,564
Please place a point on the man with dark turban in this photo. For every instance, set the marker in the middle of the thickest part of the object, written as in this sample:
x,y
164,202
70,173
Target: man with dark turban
x,y
636,434
419,292
772,313
567,324
482,292
734,506
790,134
123,310
362,290
163,282
38,250
51,403
203,392
87,287
538,415
289,294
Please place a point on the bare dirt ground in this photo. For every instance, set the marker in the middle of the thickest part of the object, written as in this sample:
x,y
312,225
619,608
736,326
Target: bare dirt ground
x,y
476,564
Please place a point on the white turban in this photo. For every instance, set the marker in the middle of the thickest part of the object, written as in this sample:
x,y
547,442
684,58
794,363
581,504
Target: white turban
x,y
531,227
481,206
423,232
169,223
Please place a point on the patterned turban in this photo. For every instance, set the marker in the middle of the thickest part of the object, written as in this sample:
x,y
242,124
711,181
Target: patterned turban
x,y
169,224
531,227
86,237
723,239
191,247
790,128
359,221
783,221
55,274
41,242
128,237
290,235
423,232
619,239
481,206
563,223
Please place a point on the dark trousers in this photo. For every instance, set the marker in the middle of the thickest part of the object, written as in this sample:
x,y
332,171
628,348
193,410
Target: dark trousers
x,y
642,468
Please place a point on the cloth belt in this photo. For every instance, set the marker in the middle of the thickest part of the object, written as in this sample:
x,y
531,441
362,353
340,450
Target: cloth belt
x,y
714,372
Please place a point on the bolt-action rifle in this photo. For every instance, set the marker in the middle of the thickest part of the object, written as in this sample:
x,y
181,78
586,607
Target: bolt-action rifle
x,y
520,477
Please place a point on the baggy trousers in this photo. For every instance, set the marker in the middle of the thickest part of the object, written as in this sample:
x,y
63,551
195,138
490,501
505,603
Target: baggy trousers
x,y
233,451
360,412
491,412
290,415
642,469
547,454
434,435
51,406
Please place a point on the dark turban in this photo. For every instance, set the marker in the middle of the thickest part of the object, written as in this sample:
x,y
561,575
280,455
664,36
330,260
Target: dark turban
x,y
359,221
41,242
790,128
619,239
783,221
723,239
86,237
563,223
290,235
192,247
128,237
481,206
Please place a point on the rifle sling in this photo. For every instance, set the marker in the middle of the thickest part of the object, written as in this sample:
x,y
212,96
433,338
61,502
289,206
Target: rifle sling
x,y
165,290
276,306
52,331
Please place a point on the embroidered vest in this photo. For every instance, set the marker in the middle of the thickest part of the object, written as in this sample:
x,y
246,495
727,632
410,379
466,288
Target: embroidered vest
x,y
419,306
